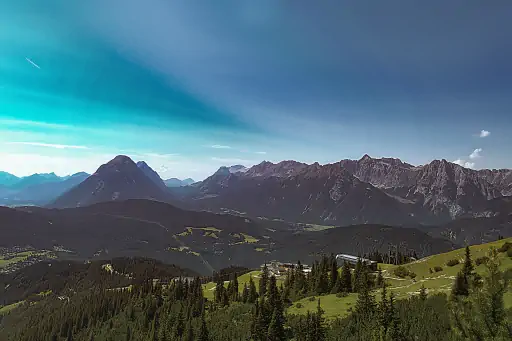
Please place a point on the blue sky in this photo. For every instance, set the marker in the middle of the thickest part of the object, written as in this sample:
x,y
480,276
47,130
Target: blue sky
x,y
189,86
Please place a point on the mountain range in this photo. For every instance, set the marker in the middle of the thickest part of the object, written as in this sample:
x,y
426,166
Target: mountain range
x,y
361,191
36,189
364,191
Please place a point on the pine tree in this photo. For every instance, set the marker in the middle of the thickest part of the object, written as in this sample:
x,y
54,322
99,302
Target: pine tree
x,y
384,311
259,326
219,291
423,293
204,335
253,294
245,293
380,278
272,293
490,301
318,324
322,283
276,327
264,277
346,278
189,332
334,274
394,332
179,325
468,267
70,334
365,305
460,285
152,336
357,275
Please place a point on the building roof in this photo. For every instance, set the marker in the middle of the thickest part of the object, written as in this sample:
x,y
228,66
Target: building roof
x,y
353,258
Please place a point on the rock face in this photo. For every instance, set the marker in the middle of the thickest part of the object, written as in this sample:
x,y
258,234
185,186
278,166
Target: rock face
x,y
386,191
150,173
444,189
299,192
119,179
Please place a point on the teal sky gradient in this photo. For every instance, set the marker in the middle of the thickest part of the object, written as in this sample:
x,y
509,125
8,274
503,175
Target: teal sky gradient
x,y
190,87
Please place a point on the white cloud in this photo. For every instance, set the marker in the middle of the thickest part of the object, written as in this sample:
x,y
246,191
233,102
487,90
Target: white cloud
x,y
261,152
475,154
232,161
49,145
163,156
219,146
465,164
484,133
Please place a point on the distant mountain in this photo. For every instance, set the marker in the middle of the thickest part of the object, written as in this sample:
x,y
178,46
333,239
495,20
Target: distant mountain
x,y
38,189
441,188
175,182
298,192
7,179
119,179
150,173
35,179
188,181
44,193
367,190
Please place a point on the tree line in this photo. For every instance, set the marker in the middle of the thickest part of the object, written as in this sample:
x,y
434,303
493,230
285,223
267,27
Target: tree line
x,y
150,311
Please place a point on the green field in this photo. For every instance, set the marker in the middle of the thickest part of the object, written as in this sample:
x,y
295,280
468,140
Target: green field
x,y
440,281
15,258
8,308
333,306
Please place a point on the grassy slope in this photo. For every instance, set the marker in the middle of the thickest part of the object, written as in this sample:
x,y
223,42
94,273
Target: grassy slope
x,y
437,282
443,280
18,257
6,309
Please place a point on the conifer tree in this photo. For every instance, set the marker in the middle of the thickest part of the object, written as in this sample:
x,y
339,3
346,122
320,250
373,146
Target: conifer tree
x,y
264,277
204,335
276,327
357,275
365,305
253,294
179,325
70,335
460,285
318,325
334,274
245,293
394,332
346,278
380,278
189,332
272,293
384,311
423,293
468,267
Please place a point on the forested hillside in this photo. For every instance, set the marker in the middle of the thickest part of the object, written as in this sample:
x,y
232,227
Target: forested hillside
x,y
260,308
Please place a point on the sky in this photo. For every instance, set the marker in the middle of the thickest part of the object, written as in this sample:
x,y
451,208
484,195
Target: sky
x,y
189,86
